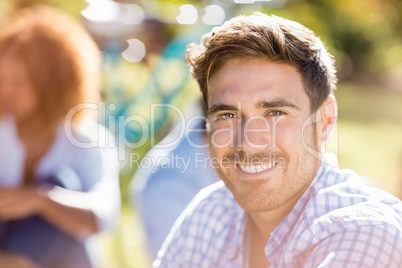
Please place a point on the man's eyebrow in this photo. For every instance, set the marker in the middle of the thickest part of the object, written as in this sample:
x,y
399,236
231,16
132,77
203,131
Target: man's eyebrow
x,y
221,107
277,104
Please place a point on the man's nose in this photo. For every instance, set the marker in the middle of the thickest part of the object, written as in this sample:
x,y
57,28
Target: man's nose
x,y
253,134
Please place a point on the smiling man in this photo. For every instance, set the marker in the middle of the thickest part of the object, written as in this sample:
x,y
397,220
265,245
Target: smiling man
x,y
267,83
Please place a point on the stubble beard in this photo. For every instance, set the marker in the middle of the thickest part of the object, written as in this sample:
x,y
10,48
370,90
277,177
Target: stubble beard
x,y
267,194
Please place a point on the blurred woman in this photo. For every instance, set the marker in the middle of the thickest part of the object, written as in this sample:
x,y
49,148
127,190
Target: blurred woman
x,y
57,185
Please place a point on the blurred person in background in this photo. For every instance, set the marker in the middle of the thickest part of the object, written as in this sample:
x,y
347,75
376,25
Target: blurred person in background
x,y
168,177
56,188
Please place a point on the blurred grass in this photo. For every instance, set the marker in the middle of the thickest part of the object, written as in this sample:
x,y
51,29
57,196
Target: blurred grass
x,y
367,139
125,248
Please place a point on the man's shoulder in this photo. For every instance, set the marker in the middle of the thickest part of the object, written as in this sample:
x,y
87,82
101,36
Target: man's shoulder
x,y
213,208
213,200
207,224
342,200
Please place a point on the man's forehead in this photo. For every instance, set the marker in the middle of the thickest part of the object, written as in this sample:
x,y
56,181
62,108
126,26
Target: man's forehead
x,y
258,81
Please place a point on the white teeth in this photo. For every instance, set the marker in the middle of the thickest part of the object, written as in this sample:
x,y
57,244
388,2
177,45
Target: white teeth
x,y
255,169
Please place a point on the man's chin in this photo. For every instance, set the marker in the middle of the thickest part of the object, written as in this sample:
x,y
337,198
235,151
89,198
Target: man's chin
x,y
255,203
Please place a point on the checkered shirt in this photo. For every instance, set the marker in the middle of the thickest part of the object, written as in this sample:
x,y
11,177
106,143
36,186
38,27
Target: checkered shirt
x,y
338,222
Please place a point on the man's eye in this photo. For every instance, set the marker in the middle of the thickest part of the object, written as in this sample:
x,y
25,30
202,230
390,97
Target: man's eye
x,y
226,116
276,113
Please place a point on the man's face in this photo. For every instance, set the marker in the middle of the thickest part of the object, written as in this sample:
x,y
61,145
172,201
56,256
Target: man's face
x,y
257,110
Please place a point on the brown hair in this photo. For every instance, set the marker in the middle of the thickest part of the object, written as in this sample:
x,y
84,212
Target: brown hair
x,y
62,60
265,37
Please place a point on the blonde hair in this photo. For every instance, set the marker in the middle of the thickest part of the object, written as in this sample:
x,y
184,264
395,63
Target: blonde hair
x,y
259,36
62,60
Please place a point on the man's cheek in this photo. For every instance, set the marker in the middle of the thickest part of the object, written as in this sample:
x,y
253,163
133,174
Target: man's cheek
x,y
284,134
221,137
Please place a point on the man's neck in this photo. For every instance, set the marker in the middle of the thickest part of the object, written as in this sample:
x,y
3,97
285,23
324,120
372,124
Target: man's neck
x,y
260,226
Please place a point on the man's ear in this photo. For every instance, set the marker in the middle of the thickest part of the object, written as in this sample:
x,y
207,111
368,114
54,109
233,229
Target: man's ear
x,y
328,116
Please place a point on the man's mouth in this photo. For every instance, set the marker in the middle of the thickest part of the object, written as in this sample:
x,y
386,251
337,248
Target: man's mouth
x,y
255,168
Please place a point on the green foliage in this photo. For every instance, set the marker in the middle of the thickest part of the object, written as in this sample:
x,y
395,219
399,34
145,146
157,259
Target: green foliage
x,y
73,7
363,31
